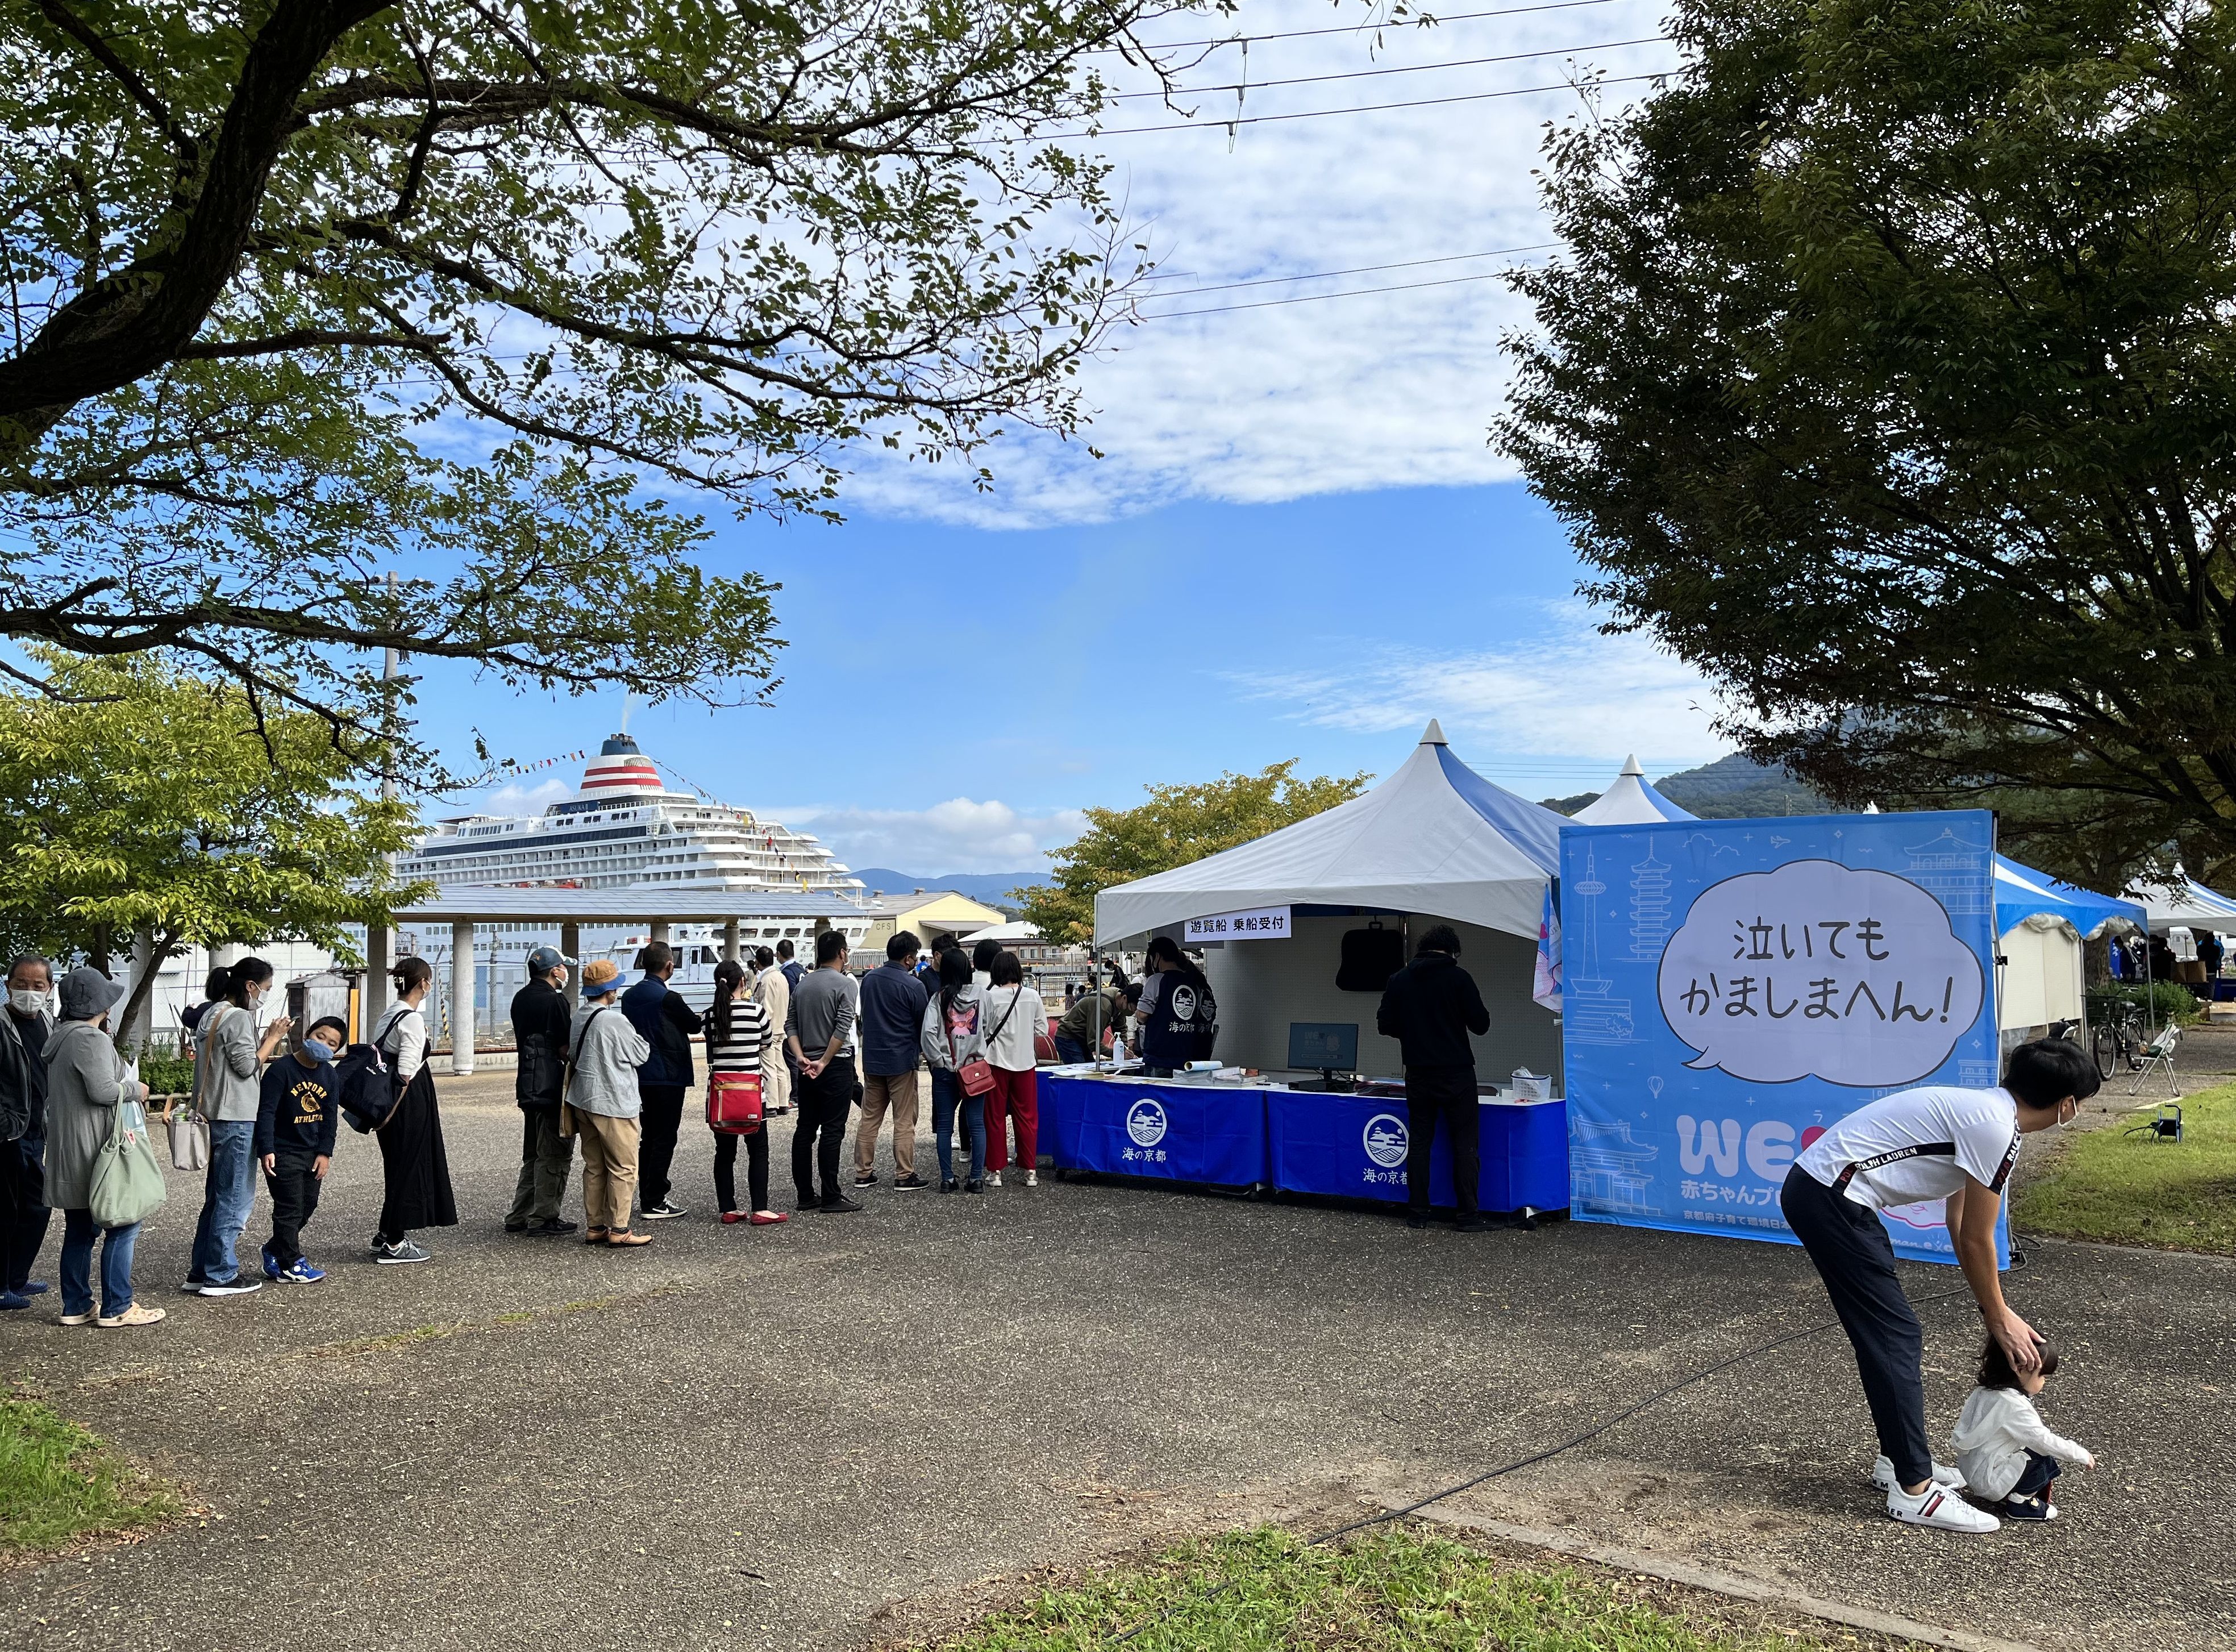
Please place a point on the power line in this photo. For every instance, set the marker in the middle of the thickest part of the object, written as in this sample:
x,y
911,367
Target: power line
x,y
1403,68
1347,29
1362,269
1314,298
1217,123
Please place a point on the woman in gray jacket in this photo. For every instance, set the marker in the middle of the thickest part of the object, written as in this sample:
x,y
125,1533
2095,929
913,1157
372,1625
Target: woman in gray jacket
x,y
602,1099
86,1078
229,1058
952,1038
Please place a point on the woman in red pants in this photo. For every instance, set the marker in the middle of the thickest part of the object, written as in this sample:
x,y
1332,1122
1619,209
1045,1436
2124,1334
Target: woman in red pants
x,y
1012,1013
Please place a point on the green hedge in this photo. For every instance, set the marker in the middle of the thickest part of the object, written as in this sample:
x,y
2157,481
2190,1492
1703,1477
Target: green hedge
x,y
167,1075
2173,1001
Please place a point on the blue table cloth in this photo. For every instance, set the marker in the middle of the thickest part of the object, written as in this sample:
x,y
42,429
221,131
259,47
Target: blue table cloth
x,y
1206,1133
1354,1146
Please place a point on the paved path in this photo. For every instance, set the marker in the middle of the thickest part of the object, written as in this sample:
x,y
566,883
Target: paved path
x,y
814,1435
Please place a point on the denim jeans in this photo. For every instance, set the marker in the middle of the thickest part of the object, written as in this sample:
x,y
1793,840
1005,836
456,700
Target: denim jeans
x,y
1071,1050
947,1100
78,1233
228,1195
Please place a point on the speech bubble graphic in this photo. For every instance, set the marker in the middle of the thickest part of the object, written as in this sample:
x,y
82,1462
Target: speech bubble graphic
x,y
1852,975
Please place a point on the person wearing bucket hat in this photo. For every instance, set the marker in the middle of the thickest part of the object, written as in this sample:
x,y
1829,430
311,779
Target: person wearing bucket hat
x,y
603,1103
86,1078
541,1015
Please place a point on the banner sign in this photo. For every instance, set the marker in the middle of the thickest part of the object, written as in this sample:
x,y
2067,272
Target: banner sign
x,y
1734,986
1142,1127
1259,923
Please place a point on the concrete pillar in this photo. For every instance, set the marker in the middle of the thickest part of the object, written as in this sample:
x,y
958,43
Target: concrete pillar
x,y
658,929
570,943
461,996
730,940
380,958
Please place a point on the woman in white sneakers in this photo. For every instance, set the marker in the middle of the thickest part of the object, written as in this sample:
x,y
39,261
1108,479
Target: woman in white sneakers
x,y
1010,1013
415,1167
1935,1143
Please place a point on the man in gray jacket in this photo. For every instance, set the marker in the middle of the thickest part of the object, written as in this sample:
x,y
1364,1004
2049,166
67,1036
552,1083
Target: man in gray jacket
x,y
820,1033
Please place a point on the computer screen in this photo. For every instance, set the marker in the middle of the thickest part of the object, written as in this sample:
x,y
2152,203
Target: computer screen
x,y
1330,1044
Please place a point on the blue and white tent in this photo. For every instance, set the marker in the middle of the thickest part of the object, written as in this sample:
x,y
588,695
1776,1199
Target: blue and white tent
x,y
1631,800
2022,893
1436,837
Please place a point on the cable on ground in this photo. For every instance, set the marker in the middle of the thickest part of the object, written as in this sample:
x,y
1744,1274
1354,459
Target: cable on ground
x,y
1550,1452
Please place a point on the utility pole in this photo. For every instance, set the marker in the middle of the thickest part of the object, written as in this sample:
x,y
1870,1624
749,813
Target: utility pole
x,y
379,942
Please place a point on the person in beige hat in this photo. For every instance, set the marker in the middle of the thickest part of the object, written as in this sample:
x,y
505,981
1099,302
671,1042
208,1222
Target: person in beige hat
x,y
603,1106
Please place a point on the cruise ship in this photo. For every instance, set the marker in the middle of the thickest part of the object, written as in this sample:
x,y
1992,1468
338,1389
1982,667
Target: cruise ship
x,y
624,826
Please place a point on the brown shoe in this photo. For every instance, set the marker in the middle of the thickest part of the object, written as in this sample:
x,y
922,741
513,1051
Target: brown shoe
x,y
594,1236
621,1239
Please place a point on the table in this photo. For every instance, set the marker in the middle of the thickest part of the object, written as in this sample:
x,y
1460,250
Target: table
x,y
1354,1146
1239,1136
1172,1131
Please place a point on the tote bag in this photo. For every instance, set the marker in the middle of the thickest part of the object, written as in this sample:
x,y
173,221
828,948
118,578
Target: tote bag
x,y
189,1127
127,1183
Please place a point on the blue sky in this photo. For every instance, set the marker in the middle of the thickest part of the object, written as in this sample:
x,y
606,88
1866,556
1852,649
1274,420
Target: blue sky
x,y
1299,543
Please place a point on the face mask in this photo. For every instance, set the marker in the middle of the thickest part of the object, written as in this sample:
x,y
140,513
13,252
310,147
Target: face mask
x,y
27,1001
318,1050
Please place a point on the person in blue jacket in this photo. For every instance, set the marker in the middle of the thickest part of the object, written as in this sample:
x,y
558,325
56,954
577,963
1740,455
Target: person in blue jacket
x,y
665,1022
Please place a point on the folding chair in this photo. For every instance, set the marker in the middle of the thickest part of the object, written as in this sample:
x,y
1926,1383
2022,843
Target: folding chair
x,y
2159,1053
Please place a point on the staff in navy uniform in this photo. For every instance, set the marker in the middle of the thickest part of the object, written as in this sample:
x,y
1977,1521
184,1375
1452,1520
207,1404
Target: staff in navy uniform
x,y
1932,1142
1180,1022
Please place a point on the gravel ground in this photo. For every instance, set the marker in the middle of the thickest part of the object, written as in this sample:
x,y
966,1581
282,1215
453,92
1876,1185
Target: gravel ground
x,y
849,1427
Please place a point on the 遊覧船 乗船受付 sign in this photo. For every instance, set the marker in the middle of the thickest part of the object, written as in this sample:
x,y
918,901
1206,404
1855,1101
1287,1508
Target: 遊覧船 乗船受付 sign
x,y
1258,924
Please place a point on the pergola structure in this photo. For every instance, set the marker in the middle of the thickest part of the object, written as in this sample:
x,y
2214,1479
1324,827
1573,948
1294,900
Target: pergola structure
x,y
464,905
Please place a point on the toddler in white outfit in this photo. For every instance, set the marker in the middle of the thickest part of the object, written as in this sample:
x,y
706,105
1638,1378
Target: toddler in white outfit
x,y
2009,1458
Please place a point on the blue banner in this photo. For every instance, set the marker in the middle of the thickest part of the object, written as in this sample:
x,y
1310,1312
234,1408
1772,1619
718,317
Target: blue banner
x,y
1735,986
1206,1133
1354,1146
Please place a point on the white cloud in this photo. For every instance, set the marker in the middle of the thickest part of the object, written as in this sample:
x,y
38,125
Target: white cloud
x,y
1565,692
1396,389
958,835
518,797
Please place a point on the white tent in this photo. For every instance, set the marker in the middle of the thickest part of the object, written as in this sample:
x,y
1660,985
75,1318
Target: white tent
x,y
1630,801
1434,837
2186,903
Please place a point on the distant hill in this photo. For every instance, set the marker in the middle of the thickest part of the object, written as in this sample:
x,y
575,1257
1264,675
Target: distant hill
x,y
1731,788
992,887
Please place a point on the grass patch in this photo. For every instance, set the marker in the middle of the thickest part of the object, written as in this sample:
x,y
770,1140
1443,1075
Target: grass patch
x,y
60,1482
2130,1190
1393,1590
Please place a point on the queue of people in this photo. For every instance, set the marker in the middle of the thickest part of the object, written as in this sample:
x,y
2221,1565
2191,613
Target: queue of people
x,y
610,1070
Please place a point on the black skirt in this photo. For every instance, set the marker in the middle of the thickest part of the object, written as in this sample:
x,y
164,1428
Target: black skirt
x,y
416,1169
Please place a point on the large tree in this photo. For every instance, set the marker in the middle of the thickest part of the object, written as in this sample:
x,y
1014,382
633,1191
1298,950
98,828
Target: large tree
x,y
1178,824
1891,378
298,293
137,801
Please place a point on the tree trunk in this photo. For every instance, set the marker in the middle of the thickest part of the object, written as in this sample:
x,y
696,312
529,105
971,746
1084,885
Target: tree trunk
x,y
160,949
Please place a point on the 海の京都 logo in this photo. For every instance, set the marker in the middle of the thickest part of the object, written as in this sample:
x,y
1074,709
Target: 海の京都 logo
x,y
1146,1123
1385,1140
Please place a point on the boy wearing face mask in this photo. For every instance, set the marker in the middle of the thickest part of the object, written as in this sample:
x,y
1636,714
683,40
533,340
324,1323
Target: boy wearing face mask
x,y
296,1112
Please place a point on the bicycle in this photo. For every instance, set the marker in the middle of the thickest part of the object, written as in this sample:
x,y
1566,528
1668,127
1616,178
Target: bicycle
x,y
2117,1039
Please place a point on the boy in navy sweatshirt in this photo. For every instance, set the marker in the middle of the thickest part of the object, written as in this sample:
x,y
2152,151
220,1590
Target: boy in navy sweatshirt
x,y
296,1112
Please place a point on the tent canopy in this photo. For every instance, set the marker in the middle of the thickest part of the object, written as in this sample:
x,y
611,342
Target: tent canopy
x,y
1434,837
2022,893
1630,801
2186,903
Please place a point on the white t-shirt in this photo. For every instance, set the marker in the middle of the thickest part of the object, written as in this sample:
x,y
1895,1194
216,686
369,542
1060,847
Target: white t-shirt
x,y
1918,1144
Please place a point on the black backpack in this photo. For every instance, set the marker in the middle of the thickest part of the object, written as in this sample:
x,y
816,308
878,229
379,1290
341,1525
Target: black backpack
x,y
365,1088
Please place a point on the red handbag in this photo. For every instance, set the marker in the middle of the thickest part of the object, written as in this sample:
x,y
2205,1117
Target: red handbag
x,y
733,1103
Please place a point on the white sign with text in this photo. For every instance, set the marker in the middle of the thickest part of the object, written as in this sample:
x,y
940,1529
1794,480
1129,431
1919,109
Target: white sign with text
x,y
1261,924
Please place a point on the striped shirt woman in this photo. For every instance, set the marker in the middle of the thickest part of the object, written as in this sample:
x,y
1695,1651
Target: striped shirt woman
x,y
737,1029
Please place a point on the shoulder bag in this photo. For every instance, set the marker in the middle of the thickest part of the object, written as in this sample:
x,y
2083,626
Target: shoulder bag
x,y
574,1062
189,1128
733,1099
976,1075
127,1183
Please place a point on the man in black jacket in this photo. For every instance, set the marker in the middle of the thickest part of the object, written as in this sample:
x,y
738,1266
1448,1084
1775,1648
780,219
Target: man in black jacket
x,y
1430,1007
666,1023
24,1025
539,1031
